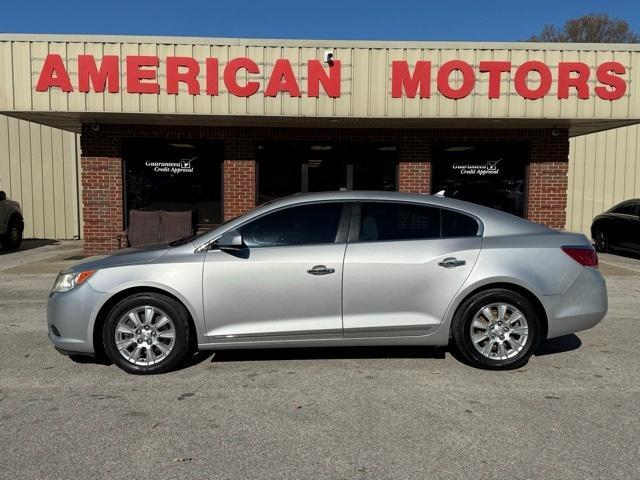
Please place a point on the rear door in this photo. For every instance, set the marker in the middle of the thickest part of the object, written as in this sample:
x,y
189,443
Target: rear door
x,y
403,265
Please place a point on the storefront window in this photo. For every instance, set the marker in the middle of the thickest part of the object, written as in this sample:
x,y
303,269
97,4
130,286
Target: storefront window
x,y
175,175
285,168
488,174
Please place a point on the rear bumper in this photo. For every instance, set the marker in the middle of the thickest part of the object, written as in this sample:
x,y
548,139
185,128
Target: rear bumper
x,y
70,319
580,307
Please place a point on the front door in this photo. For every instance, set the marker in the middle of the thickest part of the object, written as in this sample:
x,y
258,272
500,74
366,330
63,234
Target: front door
x,y
405,266
287,283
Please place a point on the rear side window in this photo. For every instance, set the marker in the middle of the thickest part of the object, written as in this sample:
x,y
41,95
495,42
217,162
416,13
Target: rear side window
x,y
299,225
381,221
455,224
398,221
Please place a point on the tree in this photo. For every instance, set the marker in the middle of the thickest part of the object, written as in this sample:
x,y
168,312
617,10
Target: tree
x,y
591,28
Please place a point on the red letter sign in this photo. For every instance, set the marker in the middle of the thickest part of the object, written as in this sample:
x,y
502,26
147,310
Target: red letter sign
x,y
401,79
282,80
54,74
468,79
605,77
522,73
317,75
212,76
107,74
495,70
231,80
135,74
175,76
565,80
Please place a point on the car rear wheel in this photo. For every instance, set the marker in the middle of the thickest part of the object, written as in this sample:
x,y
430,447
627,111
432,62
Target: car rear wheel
x,y
147,333
601,241
13,236
496,329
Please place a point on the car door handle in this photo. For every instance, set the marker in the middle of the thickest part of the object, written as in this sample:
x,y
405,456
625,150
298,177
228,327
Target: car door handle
x,y
451,262
321,270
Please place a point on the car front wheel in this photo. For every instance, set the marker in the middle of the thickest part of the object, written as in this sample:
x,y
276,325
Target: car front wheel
x,y
147,333
496,329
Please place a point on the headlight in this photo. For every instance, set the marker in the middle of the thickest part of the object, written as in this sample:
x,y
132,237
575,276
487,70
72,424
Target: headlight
x,y
69,281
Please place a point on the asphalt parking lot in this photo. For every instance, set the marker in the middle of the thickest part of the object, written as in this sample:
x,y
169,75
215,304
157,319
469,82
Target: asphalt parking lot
x,y
572,412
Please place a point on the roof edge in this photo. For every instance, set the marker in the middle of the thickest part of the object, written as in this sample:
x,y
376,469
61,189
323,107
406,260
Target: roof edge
x,y
318,43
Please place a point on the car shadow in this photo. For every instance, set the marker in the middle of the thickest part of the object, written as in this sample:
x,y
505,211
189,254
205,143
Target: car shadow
x,y
326,353
566,343
30,245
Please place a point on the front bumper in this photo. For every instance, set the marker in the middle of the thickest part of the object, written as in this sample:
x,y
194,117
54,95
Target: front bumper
x,y
71,317
580,307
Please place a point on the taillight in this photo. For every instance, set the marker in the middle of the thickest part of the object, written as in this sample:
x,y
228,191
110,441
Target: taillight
x,y
585,256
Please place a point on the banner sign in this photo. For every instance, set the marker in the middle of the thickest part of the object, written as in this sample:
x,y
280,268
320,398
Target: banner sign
x,y
531,80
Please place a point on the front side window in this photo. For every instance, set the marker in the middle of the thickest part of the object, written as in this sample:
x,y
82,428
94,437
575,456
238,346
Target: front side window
x,y
299,225
398,221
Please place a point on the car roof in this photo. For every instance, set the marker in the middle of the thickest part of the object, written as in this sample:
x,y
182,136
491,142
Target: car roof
x,y
494,222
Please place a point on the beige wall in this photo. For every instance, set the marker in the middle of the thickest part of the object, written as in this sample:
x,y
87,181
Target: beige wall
x,y
38,168
366,68
604,169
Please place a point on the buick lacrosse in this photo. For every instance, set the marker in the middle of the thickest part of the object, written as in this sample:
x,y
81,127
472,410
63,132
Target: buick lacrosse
x,y
335,269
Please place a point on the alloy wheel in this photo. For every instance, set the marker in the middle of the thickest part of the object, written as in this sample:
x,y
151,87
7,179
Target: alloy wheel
x,y
499,331
145,335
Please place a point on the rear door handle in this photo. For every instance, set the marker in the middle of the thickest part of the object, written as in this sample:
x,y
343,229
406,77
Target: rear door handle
x,y
321,270
451,262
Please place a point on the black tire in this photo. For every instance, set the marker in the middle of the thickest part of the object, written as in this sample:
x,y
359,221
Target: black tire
x,y
13,236
179,318
465,315
601,240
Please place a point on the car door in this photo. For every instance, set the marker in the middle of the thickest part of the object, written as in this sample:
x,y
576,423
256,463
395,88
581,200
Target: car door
x,y
624,226
404,266
286,283
634,228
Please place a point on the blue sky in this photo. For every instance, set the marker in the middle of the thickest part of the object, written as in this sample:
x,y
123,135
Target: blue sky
x,y
328,19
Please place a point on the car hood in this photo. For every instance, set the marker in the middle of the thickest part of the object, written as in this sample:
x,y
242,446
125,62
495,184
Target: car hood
x,y
127,256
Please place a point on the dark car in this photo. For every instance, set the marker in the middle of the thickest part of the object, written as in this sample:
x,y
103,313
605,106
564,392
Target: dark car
x,y
618,228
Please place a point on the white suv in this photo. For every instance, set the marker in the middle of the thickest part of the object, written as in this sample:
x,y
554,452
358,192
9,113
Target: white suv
x,y
11,223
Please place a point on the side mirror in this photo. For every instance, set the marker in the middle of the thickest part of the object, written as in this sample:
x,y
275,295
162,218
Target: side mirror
x,y
230,240
3,196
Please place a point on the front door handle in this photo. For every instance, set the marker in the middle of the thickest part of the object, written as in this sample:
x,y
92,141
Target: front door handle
x,y
451,262
321,270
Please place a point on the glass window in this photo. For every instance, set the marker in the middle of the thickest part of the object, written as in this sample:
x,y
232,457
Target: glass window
x,y
625,209
455,224
300,225
285,168
398,221
175,175
491,174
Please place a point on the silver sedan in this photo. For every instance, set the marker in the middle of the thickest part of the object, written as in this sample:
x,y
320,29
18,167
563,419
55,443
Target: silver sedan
x,y
336,269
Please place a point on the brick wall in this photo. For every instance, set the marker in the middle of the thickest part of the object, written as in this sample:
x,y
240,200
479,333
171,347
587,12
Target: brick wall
x,y
102,166
101,203
548,180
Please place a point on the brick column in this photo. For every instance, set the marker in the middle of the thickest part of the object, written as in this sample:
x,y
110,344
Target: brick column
x,y
414,166
239,177
548,180
102,203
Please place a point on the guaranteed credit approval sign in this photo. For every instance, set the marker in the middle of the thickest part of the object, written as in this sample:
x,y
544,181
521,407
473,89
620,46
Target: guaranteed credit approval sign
x,y
531,80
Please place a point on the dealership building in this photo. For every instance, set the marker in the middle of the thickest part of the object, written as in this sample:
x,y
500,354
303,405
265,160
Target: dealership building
x,y
94,128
